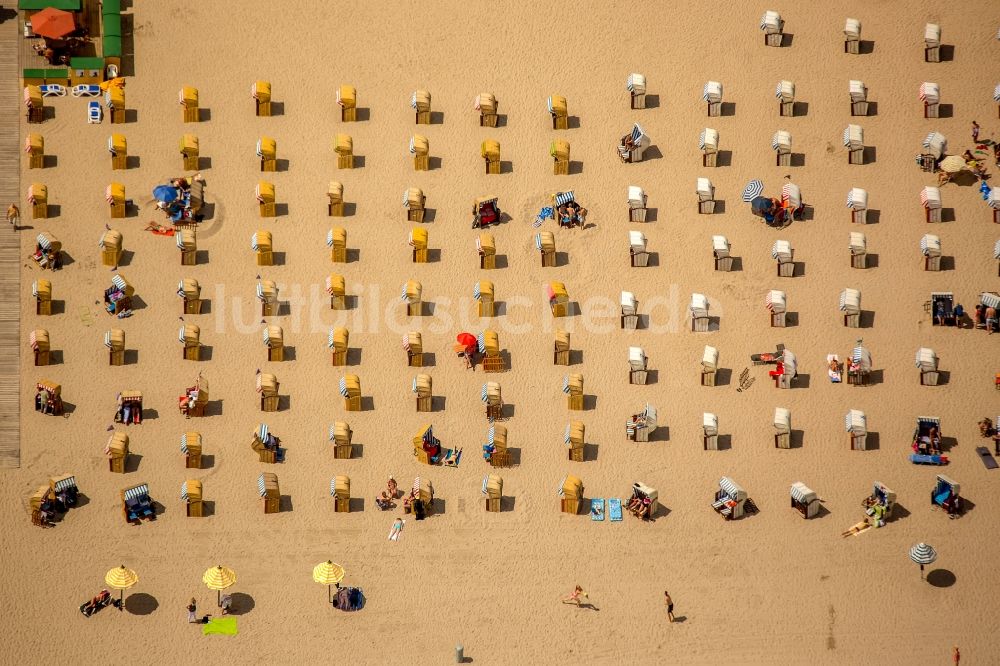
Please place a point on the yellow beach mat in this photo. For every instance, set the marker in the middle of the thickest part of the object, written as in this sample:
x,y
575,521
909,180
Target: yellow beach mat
x,y
225,626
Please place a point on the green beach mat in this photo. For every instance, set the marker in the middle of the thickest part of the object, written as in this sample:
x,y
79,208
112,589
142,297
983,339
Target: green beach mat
x,y
222,625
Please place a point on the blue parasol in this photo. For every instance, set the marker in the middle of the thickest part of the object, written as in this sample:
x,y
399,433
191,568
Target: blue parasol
x,y
760,205
752,190
165,193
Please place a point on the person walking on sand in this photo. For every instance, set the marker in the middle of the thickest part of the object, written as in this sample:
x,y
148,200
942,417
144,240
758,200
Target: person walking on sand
x,y
574,598
975,132
192,612
956,656
669,603
13,215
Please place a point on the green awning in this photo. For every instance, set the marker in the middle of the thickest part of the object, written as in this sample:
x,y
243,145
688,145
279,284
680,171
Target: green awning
x,y
86,63
112,25
33,5
34,74
56,74
111,7
112,46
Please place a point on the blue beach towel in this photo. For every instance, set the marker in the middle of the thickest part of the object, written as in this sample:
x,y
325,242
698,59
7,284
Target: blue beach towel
x,y
597,509
543,215
615,509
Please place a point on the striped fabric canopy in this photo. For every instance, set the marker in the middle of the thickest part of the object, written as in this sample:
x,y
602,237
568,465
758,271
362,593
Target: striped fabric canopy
x,y
635,83
993,198
184,491
138,492
260,485
781,249
862,357
567,437
564,198
752,190
923,554
477,292
491,435
263,432
566,388
801,493
253,242
930,245
708,137
785,91
343,387
853,135
996,250
781,139
712,92
732,488
850,299
857,199
930,197
267,336
413,100
990,299
929,92
43,242
770,19
119,282
65,484
996,93
775,301
637,134
481,342
107,339
483,394
935,141
856,422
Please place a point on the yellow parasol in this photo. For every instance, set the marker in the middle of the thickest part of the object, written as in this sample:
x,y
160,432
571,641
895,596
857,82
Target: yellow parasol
x,y
219,578
121,578
328,573
952,164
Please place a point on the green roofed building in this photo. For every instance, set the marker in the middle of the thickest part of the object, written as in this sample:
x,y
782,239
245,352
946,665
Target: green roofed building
x,y
35,5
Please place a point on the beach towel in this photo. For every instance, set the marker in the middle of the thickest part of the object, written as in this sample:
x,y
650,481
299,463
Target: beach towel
x,y
543,215
597,509
988,460
225,626
615,509
923,459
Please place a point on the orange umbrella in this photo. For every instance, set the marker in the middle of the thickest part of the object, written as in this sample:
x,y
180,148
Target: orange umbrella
x,y
53,23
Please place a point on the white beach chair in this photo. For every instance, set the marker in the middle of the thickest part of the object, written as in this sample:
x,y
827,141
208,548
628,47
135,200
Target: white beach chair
x,y
859,250
859,97
850,305
721,253
781,143
709,366
785,92
783,253
712,93
782,422
857,201
636,86
699,313
930,199
636,204
708,143
927,362
630,311
638,253
775,302
930,247
710,431
852,36
854,141
706,196
772,25
930,94
932,42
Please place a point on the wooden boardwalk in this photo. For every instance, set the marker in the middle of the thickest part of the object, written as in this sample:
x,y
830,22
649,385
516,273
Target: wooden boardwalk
x,y
11,110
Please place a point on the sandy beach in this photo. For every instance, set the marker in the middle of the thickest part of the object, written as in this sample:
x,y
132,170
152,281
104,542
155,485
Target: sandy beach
x,y
769,588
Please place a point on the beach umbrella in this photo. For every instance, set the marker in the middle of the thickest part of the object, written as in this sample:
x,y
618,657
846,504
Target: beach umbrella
x,y
759,205
165,193
923,554
219,578
752,190
121,578
329,574
52,23
952,164
466,339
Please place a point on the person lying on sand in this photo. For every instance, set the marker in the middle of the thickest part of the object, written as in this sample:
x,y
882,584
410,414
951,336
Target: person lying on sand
x,y
857,529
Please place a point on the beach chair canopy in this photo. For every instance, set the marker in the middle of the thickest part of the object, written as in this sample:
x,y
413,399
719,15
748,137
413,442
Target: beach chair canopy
x,y
273,336
637,241
38,193
335,192
935,144
637,358
115,339
932,35
33,97
121,284
50,386
559,149
557,105
791,195
189,288
926,359
732,489
34,144
852,29
857,199
490,394
335,285
575,434
422,385
639,137
488,343
854,137
861,357
264,192
411,292
191,442
710,424
350,386
636,83
186,240
261,91
929,92
114,194
347,96
483,290
117,446
340,487
260,241
191,490
62,482
573,384
189,145
636,197
802,494
496,436
139,493
420,100
996,250
483,203
699,305
111,240
41,290
712,92
775,301
267,148
989,299
710,358
782,251
708,140
492,486
343,144
782,420
188,97
413,342
189,334
117,144
486,245
790,362
419,145
720,246
704,188
628,303
557,293
490,149
562,340
993,198
39,340
340,431
338,339
857,90
418,238
785,91
267,485
486,103
930,197
545,241
850,301
930,245
771,22
267,291
46,241
336,237
114,97
781,141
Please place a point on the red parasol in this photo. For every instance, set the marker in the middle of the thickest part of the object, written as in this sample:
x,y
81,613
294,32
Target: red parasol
x,y
466,340
53,23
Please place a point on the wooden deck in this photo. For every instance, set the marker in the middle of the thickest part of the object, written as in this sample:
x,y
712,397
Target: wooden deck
x,y
10,266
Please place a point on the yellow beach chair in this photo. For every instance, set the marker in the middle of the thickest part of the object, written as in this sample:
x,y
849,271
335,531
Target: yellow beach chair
x,y
188,98
38,198
187,243
570,495
559,150
265,199
267,386
335,193
267,151
335,286
574,437
486,246
38,340
34,146
340,488
493,399
114,340
42,292
343,145
412,294
191,448
423,387
269,491
484,293
414,201
337,342
117,452
420,149
189,291
490,152
261,244
34,104
336,240
560,351
261,94
191,495
274,341
347,98
489,347
421,103
545,243
118,148
486,104
267,294
418,241
558,299
189,152
341,435
111,248
496,438
573,388
493,492
350,388
559,112
114,99
189,335
413,345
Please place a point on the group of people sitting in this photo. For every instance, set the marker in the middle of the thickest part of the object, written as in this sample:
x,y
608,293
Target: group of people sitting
x,y
187,402
387,498
779,213
976,166
988,430
571,214
929,444
50,258
640,506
